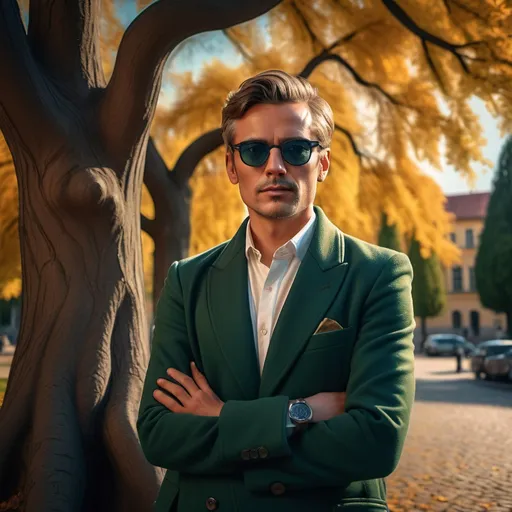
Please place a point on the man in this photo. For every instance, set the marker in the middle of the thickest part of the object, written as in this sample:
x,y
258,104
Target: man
x,y
258,340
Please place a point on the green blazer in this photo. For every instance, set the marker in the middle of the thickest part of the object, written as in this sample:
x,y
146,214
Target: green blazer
x,y
243,461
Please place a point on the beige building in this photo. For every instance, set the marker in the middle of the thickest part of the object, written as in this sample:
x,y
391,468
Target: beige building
x,y
464,312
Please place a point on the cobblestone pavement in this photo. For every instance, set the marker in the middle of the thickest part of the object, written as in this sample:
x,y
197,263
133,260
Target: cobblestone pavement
x,y
458,454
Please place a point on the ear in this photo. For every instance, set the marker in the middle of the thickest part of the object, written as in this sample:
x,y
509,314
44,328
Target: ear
x,y
230,166
323,164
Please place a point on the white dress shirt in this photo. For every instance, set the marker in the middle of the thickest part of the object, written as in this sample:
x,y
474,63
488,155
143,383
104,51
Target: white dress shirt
x,y
269,287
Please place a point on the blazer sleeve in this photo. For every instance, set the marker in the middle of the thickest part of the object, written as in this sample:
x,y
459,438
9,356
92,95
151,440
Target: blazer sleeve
x,y
366,441
200,444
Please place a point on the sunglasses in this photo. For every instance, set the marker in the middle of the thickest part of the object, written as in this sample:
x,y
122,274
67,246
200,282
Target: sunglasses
x,y
294,152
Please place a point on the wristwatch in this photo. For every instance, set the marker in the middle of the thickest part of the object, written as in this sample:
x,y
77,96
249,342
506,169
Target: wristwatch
x,y
300,413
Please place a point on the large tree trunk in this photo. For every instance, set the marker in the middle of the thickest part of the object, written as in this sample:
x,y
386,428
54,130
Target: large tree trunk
x,y
170,229
68,441
172,239
509,325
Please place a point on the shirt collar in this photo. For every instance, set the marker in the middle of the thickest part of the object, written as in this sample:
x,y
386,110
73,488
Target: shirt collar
x,y
296,246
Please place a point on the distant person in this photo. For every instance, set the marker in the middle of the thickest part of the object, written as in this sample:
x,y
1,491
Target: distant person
x,y
499,332
282,367
459,354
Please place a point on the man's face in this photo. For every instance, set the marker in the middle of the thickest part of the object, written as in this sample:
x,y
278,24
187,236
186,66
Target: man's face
x,y
274,124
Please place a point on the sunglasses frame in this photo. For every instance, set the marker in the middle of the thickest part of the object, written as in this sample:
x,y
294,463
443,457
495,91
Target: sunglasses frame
x,y
312,144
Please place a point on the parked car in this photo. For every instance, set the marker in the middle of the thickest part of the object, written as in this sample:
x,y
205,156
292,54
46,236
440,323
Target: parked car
x,y
487,349
499,366
447,345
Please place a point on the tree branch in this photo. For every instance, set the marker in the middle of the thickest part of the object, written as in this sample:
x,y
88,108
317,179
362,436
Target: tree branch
x,y
465,8
64,39
325,56
193,154
432,65
234,41
26,98
360,154
147,225
406,21
129,102
156,175
315,41
348,37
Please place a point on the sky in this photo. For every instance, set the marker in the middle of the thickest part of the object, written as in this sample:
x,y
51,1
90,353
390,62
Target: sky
x,y
451,181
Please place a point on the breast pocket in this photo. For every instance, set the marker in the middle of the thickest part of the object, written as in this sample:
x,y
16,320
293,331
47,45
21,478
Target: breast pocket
x,y
325,340
324,365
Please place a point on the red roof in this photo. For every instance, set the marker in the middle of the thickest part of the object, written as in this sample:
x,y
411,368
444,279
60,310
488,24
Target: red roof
x,y
468,206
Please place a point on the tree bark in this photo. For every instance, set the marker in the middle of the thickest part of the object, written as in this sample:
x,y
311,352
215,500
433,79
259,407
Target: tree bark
x,y
68,440
170,191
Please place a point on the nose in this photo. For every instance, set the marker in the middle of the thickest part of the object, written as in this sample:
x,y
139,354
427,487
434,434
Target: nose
x,y
275,163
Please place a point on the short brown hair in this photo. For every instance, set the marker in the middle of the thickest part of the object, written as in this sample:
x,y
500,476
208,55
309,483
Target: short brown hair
x,y
273,87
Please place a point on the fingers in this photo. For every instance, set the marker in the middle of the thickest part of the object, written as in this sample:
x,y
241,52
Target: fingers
x,y
199,378
174,389
186,381
167,401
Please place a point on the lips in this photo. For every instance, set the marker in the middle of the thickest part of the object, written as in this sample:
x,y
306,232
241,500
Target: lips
x,y
276,189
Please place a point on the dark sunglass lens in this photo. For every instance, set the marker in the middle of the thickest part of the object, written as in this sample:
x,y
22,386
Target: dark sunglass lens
x,y
254,153
296,152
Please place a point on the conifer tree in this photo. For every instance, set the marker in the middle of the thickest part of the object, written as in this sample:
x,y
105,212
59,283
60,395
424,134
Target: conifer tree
x,y
388,235
428,289
494,258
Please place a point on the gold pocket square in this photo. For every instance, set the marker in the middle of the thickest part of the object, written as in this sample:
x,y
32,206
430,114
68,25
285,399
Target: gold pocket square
x,y
328,325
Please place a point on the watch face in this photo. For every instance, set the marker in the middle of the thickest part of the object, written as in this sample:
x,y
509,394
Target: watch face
x,y
300,412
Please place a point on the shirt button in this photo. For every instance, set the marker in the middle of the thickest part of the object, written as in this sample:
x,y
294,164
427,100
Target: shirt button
x,y
268,288
263,331
277,489
263,452
212,504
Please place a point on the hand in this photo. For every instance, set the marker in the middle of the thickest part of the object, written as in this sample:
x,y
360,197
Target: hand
x,y
326,405
193,396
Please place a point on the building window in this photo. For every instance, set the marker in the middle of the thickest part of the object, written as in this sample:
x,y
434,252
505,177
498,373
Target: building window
x,y
472,279
453,238
456,320
457,279
475,322
470,241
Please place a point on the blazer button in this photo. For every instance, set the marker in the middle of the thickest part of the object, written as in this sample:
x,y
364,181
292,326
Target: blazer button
x,y
254,454
212,504
263,452
246,454
277,489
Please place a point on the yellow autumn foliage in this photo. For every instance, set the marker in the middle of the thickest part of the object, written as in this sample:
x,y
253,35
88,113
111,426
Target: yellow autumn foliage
x,y
400,79
10,263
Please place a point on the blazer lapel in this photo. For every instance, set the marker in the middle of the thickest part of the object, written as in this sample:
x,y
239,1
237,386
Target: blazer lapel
x,y
316,284
228,304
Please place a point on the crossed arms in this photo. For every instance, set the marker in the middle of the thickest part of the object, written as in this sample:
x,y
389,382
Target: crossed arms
x,y
203,435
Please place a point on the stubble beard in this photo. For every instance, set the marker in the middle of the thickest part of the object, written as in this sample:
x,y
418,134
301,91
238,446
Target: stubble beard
x,y
282,210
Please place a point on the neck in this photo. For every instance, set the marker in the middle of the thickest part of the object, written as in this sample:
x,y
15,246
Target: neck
x,y
269,234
